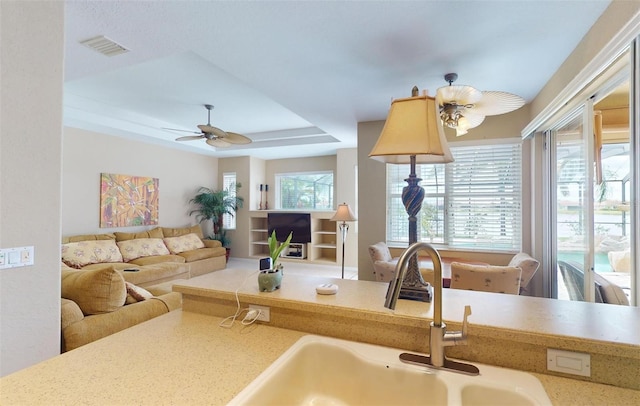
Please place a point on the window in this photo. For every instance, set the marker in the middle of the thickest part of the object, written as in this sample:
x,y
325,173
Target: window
x,y
304,191
473,202
229,184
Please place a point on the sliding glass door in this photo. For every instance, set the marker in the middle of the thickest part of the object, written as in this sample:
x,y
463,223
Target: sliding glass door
x,y
590,224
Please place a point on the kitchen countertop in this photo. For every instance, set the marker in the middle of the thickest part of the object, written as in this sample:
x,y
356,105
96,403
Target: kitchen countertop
x,y
186,358
193,361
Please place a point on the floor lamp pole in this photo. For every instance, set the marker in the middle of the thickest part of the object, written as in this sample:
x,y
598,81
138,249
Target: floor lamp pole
x,y
344,229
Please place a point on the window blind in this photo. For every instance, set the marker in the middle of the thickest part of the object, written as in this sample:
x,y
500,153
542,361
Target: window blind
x,y
473,202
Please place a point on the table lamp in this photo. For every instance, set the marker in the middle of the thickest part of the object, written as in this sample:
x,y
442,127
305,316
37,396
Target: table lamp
x,y
413,134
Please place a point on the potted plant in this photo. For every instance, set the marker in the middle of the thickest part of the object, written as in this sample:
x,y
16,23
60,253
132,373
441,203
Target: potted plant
x,y
213,205
270,279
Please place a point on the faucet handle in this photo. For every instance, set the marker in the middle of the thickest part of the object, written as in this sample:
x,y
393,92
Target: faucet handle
x,y
467,312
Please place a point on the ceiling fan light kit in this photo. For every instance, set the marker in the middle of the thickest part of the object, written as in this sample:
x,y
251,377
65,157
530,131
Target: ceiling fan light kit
x,y
214,136
464,107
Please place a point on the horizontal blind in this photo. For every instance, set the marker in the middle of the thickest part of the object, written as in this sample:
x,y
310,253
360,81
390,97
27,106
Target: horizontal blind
x,y
473,202
229,184
484,197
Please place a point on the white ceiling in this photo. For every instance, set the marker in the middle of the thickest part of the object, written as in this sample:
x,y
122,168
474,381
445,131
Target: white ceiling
x,y
299,74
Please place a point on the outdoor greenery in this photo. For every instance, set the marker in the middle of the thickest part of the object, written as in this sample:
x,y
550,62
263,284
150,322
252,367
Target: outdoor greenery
x,y
306,191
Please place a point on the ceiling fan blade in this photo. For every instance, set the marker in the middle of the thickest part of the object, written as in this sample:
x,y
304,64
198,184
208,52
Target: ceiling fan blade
x,y
235,138
473,118
218,143
190,137
462,95
494,103
209,129
184,131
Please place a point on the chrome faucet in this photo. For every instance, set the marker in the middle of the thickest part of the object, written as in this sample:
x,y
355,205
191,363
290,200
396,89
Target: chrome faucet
x,y
439,338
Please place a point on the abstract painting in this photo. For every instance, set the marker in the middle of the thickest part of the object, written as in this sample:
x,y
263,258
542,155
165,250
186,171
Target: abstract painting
x,y
127,201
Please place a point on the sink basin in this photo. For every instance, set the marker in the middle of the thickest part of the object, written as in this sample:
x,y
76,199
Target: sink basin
x,y
327,371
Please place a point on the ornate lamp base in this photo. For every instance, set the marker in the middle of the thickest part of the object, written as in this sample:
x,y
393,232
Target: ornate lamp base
x,y
413,286
423,294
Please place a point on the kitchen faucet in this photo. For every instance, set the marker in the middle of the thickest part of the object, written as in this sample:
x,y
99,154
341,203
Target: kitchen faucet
x,y
439,338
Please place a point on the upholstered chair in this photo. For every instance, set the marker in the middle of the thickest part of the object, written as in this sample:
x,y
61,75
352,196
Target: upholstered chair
x,y
384,266
529,266
487,278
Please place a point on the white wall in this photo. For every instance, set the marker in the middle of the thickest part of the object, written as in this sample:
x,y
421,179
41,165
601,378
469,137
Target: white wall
x,y
87,154
30,145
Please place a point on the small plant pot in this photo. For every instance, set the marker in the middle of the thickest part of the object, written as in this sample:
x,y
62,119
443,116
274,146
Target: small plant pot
x,y
268,281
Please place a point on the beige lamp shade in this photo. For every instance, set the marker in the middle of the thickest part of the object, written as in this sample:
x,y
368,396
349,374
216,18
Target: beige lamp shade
x,y
344,213
412,128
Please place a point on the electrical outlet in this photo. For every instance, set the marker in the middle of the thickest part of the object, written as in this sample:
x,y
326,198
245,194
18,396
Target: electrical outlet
x,y
569,362
265,312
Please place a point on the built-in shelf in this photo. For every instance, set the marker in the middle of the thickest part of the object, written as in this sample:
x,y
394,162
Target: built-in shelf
x,y
322,248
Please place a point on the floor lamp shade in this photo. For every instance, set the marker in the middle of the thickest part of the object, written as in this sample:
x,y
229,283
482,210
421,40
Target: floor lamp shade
x,y
344,213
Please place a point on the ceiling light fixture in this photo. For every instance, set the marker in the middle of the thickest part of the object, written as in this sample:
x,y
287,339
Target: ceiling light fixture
x,y
464,107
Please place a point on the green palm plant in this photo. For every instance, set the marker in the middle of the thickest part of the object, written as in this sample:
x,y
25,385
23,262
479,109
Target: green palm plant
x,y
275,249
214,204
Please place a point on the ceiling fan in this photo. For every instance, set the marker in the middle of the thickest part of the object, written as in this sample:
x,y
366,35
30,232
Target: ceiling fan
x,y
464,107
214,135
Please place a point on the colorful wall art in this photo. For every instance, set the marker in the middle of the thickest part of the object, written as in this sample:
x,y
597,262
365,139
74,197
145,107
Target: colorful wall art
x,y
127,201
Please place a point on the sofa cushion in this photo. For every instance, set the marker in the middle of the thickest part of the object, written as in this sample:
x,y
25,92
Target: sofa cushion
x,y
88,237
79,254
69,313
154,233
183,243
118,266
136,293
142,247
203,253
158,273
212,243
96,291
177,232
158,259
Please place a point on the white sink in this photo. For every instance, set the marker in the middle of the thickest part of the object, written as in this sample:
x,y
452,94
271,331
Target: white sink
x,y
327,371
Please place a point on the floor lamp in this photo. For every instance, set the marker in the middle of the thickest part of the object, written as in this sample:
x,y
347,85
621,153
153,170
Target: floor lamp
x,y
413,134
343,214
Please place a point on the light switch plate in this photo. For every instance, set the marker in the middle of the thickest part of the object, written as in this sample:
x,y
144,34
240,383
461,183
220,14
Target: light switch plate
x,y
16,257
569,362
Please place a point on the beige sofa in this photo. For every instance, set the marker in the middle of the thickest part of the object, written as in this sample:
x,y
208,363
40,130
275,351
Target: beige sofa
x,y
158,255
99,302
101,274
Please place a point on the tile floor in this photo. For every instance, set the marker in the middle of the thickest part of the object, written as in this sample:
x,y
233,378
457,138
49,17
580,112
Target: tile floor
x,y
299,268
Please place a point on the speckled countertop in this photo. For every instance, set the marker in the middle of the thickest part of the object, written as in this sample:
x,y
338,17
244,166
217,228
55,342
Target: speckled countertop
x,y
186,358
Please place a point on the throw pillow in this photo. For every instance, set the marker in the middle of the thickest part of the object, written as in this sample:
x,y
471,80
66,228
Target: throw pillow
x,y
183,243
142,247
97,291
78,254
136,293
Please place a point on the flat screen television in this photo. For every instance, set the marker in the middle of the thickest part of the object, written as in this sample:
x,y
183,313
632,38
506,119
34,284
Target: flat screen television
x,y
285,223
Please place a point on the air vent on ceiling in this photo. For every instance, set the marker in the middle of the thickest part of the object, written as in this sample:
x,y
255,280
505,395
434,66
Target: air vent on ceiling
x,y
104,45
